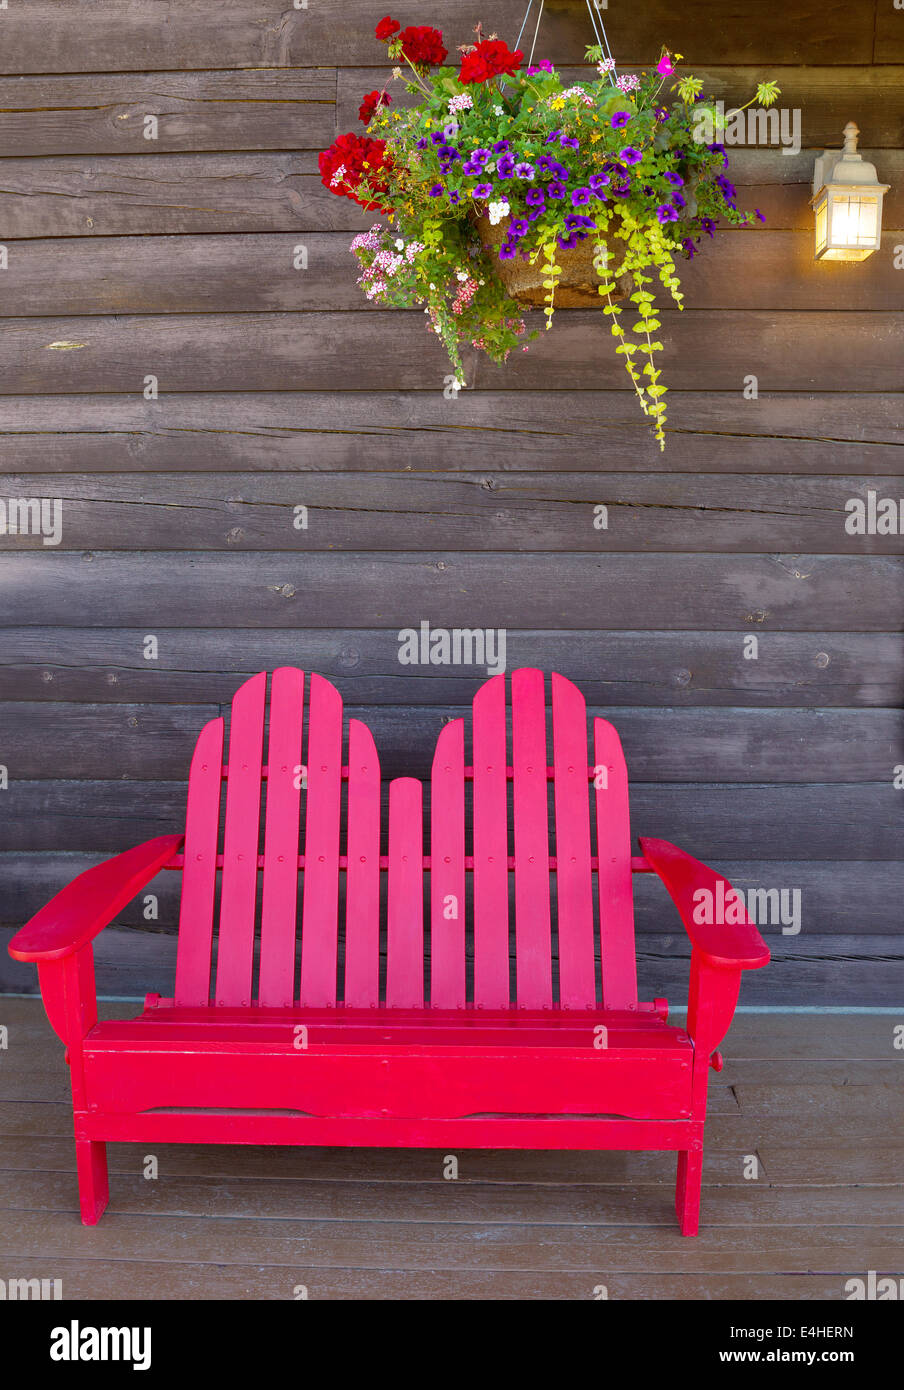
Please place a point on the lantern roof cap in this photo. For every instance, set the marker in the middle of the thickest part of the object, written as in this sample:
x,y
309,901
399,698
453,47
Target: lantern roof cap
x,y
846,168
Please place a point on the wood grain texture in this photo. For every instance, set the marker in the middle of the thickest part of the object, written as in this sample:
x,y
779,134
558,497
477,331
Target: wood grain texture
x,y
814,972
680,669
794,351
839,899
114,195
256,272
106,113
467,512
758,593
824,96
362,431
53,36
711,821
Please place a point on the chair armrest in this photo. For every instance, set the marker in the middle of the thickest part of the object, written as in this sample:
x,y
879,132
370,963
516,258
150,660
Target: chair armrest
x,y
85,906
733,945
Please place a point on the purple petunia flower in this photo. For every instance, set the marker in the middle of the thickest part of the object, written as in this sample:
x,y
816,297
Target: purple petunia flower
x,y
568,243
629,155
556,190
579,197
719,149
679,200
524,170
550,139
546,164
437,137
620,120
437,191
597,181
662,113
674,179
505,166
666,213
688,244
450,130
422,144
535,197
708,224
454,197
483,190
507,252
501,146
518,227
534,214
568,142
576,220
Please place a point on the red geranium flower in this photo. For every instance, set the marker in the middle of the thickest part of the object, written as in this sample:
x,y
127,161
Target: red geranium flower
x,y
349,161
489,59
422,45
386,28
371,103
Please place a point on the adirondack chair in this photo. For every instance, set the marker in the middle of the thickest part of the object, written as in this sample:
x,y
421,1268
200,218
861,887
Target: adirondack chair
x,y
248,1050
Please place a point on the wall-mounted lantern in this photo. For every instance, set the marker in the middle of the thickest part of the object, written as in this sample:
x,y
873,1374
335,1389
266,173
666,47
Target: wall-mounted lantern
x,y
847,200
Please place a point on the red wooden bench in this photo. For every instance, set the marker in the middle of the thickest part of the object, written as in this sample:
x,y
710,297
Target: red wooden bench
x,y
247,1052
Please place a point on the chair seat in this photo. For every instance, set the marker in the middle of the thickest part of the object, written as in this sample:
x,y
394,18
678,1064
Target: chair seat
x,y
392,1062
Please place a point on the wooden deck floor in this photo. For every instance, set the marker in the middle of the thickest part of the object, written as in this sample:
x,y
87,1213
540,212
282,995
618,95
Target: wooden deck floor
x,y
818,1100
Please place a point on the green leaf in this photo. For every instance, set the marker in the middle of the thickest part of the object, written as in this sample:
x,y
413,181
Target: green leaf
x,y
768,93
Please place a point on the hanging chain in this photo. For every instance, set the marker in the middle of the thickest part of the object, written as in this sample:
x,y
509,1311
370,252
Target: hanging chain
x,y
596,21
602,39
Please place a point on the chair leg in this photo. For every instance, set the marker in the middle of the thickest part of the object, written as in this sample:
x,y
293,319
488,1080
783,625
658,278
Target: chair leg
x,y
93,1187
687,1192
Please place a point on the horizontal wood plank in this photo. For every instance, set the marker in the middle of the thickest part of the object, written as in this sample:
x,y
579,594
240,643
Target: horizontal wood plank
x,y
840,899
60,36
266,109
759,594
790,821
154,742
363,431
468,512
114,195
256,272
795,351
823,97
612,668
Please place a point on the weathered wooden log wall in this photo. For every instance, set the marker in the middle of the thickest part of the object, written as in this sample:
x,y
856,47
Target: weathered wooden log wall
x,y
175,257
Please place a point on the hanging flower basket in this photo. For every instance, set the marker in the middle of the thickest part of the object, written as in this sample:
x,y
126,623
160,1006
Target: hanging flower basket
x,y
577,285
503,189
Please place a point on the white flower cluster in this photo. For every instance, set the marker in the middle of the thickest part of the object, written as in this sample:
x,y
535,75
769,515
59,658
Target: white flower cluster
x,y
496,211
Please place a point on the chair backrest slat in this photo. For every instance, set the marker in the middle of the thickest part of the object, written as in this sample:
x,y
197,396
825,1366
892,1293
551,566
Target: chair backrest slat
x,y
613,838
279,898
533,945
405,896
320,914
241,838
362,888
447,869
507,876
574,884
491,897
199,876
